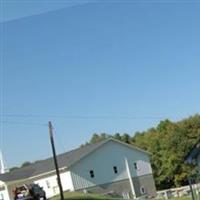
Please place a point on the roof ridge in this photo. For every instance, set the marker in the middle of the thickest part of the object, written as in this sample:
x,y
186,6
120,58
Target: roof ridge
x,y
65,160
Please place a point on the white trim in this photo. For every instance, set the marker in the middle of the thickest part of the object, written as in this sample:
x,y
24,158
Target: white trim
x,y
130,178
36,176
129,145
46,173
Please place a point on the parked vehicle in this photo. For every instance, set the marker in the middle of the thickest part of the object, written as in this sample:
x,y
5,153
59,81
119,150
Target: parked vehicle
x,y
29,192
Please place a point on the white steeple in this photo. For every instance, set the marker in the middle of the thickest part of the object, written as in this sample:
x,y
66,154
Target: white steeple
x,y
2,167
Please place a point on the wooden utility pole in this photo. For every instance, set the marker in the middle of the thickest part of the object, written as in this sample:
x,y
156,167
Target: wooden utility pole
x,y
55,160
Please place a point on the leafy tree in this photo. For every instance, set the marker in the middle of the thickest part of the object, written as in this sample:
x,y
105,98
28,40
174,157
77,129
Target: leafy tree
x,y
25,164
117,136
126,138
169,144
98,138
13,169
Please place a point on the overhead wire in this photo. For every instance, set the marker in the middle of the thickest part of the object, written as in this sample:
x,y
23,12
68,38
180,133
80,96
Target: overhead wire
x,y
83,116
6,119
24,123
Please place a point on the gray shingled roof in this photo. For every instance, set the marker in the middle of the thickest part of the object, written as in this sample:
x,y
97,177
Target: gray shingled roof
x,y
64,160
44,166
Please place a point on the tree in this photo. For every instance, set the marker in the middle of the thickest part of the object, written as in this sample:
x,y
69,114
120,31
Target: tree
x,y
13,169
169,143
126,138
117,136
25,164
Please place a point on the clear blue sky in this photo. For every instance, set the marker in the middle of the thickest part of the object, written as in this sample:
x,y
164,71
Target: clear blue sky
x,y
95,67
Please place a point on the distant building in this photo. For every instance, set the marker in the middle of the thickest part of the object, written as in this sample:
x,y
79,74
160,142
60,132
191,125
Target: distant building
x,y
194,155
109,166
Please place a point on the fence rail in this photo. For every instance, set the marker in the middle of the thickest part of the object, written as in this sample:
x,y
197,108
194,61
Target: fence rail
x,y
181,191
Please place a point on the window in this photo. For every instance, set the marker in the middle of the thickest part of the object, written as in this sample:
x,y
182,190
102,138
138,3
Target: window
x,y
115,169
135,165
48,184
142,190
91,173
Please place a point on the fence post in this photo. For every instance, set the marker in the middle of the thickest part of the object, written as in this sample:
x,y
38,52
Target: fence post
x,y
191,190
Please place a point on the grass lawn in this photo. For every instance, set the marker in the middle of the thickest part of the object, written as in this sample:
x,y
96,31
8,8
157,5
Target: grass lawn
x,y
182,198
82,196
197,197
89,196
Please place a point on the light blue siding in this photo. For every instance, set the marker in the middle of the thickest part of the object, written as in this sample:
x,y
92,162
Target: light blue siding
x,y
102,160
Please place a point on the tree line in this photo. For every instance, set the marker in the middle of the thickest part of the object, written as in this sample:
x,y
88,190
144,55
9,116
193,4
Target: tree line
x,y
169,143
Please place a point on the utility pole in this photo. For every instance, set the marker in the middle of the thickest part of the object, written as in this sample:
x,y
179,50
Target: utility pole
x,y
55,160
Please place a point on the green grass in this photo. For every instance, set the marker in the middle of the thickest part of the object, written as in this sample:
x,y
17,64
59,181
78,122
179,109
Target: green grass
x,y
182,198
186,198
92,196
82,196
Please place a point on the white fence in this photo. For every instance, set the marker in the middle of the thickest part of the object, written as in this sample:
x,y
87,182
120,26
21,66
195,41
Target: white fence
x,y
178,192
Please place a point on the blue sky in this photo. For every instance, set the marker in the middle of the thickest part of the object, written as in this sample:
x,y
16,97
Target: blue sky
x,y
93,68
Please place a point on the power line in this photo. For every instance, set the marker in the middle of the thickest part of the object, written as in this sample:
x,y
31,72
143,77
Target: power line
x,y
106,1
83,116
23,123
